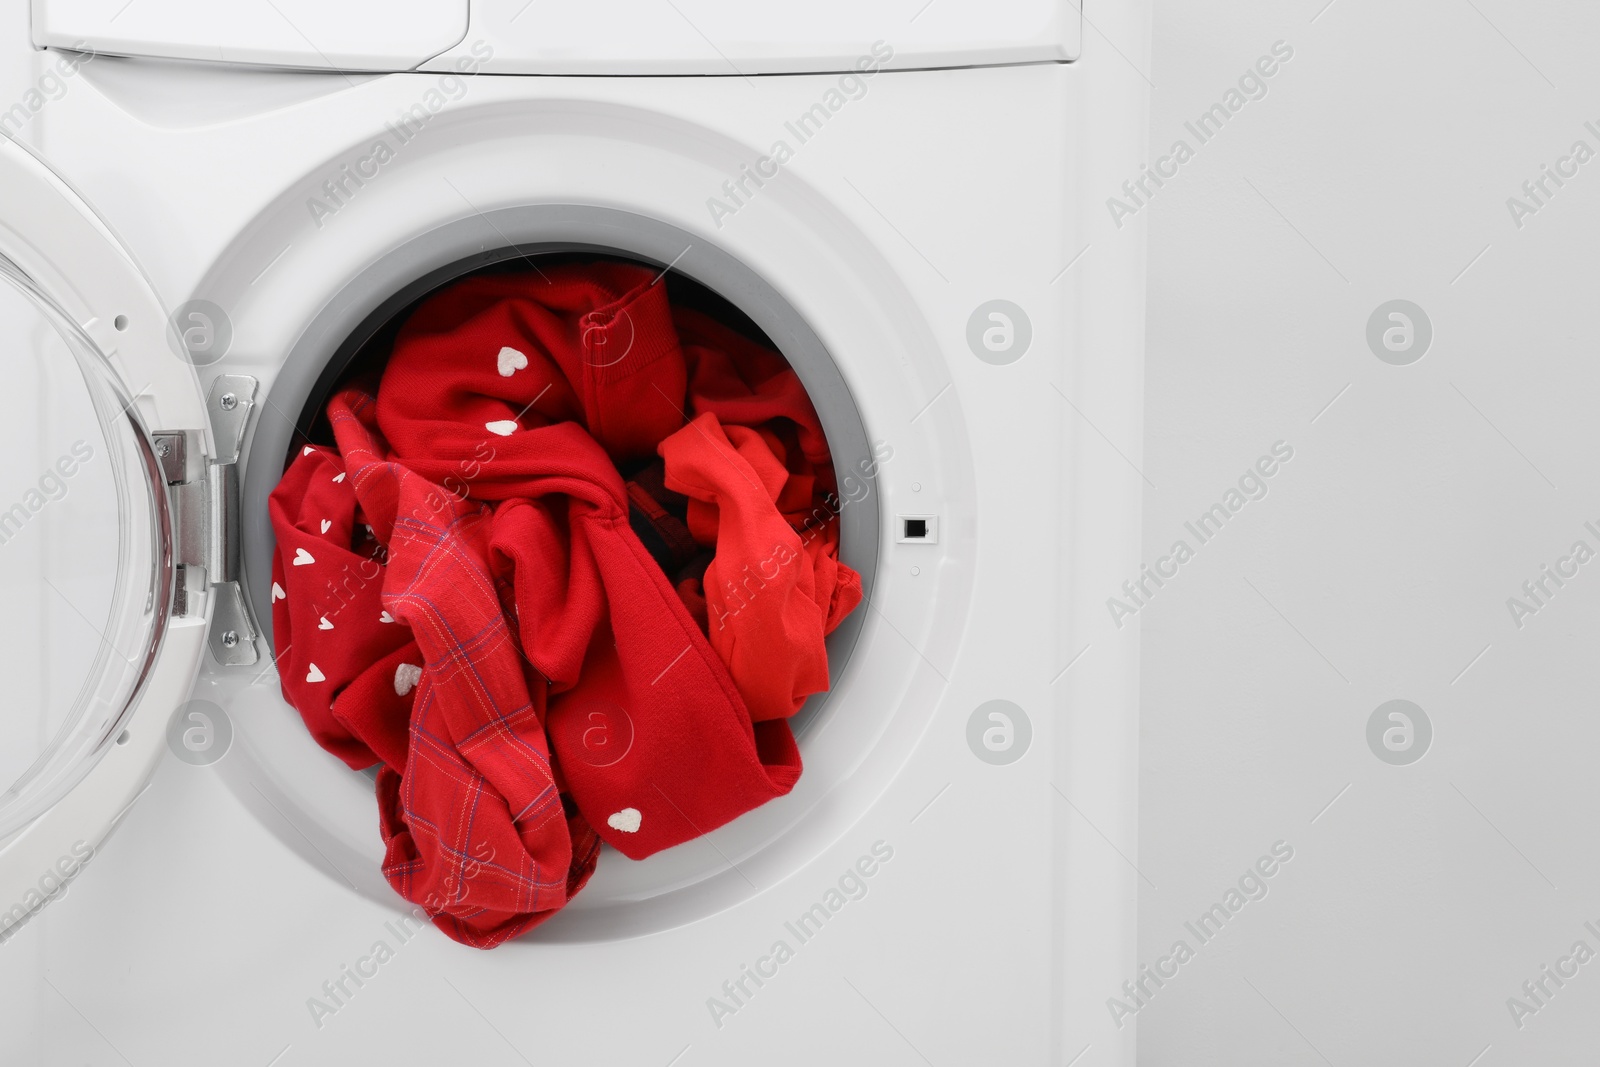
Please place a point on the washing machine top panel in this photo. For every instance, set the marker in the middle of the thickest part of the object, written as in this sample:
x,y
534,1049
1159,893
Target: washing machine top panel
x,y
609,37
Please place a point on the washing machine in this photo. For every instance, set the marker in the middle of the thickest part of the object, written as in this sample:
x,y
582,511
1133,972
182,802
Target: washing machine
x,y
208,213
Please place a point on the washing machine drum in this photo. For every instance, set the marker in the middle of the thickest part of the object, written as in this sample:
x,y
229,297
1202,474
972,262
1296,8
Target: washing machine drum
x,y
492,454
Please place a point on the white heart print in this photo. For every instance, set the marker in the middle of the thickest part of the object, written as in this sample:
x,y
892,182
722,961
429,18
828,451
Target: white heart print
x,y
325,525
302,558
277,591
324,624
314,675
627,820
511,361
339,477
406,676
306,451
386,617
505,427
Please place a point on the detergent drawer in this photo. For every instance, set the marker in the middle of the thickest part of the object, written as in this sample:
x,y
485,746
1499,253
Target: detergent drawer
x,y
608,37
365,35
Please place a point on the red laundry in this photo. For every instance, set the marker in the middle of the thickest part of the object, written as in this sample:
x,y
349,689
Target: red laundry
x,y
767,611
459,595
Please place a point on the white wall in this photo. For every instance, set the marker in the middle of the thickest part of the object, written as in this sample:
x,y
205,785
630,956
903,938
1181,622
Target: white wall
x,y
1379,565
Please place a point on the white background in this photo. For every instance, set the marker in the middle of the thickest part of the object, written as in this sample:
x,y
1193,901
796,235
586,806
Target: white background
x,y
1378,567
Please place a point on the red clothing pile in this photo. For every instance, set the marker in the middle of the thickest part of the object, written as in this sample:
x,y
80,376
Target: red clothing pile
x,y
470,593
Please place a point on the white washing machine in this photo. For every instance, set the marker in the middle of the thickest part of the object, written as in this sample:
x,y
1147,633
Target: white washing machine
x,y
207,210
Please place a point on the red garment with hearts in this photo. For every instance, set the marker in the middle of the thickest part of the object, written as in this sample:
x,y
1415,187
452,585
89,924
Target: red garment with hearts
x,y
460,595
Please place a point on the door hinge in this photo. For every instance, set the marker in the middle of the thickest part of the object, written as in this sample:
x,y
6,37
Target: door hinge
x,y
204,491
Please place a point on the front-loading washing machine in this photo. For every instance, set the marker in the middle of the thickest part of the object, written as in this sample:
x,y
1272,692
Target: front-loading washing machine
x,y
211,217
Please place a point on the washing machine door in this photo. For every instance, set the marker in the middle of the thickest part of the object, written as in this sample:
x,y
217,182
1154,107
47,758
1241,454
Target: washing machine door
x,y
97,647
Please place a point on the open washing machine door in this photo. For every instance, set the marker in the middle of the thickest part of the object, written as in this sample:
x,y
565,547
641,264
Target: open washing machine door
x,y
111,507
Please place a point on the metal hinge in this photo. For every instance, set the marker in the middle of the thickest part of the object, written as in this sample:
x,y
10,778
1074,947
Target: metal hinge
x,y
205,509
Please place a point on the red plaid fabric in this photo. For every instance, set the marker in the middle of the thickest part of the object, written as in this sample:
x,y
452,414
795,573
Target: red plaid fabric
x,y
468,800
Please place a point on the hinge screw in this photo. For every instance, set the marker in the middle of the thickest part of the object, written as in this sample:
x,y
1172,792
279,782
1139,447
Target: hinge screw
x,y
229,638
228,401
163,449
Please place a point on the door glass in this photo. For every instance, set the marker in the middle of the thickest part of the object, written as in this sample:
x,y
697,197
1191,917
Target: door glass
x,y
83,572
